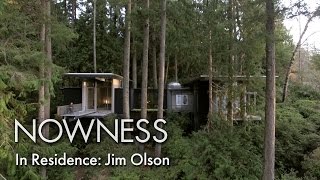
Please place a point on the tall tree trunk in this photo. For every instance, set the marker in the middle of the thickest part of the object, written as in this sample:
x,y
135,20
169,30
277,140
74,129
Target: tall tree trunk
x,y
144,83
161,71
74,10
154,61
134,53
210,114
231,63
95,98
210,72
48,68
134,63
65,7
176,65
288,71
166,75
41,113
94,36
126,63
44,86
269,133
49,60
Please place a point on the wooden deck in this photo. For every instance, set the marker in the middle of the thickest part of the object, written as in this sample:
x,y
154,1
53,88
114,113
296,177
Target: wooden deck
x,y
249,118
88,114
148,110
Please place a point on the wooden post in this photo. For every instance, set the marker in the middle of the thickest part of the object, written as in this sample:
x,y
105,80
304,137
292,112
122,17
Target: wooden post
x,y
95,98
84,96
243,110
195,107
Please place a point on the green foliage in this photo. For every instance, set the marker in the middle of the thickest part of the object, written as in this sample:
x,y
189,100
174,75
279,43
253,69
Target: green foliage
x,y
77,55
222,153
311,164
315,59
297,134
30,175
229,152
219,154
20,55
303,92
290,176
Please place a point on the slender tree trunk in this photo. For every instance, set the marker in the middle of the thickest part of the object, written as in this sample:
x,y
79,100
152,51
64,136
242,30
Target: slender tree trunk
x,y
126,63
231,63
41,113
176,66
65,7
288,71
48,68
210,72
144,83
269,133
154,61
134,64
210,82
94,36
42,69
166,75
42,76
134,54
95,92
74,10
161,71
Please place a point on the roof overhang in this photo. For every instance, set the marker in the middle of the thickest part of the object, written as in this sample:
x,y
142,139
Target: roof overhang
x,y
94,75
220,78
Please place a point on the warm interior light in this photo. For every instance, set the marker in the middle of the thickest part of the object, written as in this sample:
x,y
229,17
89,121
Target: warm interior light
x,y
106,101
84,83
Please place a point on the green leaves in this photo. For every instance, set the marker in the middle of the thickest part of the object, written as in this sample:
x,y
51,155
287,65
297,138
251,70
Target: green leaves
x,y
311,164
297,134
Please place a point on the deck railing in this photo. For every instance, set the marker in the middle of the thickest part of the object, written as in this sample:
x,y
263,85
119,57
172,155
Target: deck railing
x,y
66,109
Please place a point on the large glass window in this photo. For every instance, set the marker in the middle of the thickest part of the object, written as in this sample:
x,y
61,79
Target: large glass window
x,y
104,95
90,96
104,98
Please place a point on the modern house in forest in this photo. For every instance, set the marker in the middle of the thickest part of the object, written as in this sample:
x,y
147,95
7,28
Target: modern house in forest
x,y
100,95
242,104
94,99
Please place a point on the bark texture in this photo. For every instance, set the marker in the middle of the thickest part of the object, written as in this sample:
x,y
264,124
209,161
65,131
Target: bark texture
x,y
154,62
210,71
269,132
126,63
144,83
161,70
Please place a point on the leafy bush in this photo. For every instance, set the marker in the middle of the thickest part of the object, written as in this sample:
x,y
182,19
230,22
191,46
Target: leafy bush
x,y
311,164
296,134
298,92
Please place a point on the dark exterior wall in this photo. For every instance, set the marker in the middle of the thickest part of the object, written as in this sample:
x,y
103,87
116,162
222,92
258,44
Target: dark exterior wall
x,y
118,105
152,98
135,99
202,102
73,95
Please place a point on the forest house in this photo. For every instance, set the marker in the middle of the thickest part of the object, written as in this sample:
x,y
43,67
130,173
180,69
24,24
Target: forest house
x,y
100,95
94,99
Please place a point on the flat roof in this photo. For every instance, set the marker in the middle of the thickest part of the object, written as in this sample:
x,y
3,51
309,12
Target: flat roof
x,y
94,75
236,77
221,78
